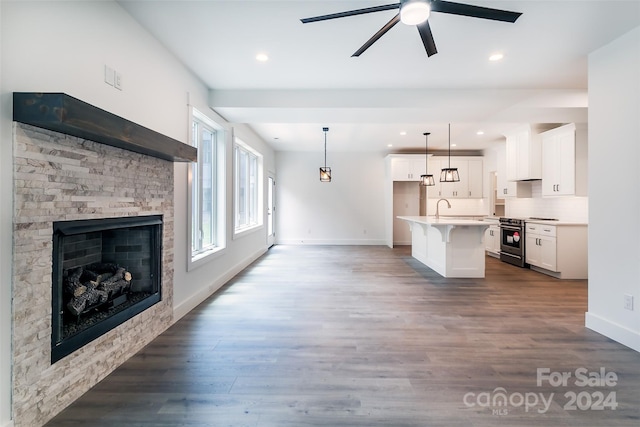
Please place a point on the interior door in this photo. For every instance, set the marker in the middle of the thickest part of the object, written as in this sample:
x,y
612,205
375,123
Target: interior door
x,y
271,207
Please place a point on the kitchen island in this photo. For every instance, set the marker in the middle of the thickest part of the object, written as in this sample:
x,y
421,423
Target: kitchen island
x,y
452,247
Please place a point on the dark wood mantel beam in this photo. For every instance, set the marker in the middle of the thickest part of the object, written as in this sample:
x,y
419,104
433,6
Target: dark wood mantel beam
x,y
65,114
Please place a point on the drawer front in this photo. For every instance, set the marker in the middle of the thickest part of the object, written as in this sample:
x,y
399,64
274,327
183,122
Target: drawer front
x,y
541,229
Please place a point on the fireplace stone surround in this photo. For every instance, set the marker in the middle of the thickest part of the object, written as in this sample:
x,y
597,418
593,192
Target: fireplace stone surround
x,y
58,177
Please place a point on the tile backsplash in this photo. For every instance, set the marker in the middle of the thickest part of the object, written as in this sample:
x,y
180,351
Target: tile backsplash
x,y
569,208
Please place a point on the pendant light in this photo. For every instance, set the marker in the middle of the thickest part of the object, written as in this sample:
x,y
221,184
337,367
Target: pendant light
x,y
426,180
325,172
449,174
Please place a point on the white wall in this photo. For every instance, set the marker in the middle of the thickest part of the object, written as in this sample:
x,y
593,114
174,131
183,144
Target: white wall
x,y
614,202
347,210
63,47
191,288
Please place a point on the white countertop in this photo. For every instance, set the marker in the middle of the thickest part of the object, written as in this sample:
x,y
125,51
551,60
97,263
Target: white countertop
x,y
431,220
543,222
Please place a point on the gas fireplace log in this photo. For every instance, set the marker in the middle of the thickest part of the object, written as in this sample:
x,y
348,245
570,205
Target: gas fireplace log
x,y
90,297
114,288
118,275
119,282
72,282
102,277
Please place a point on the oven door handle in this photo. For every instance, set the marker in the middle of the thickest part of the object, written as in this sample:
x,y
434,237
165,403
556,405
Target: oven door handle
x,y
510,228
511,255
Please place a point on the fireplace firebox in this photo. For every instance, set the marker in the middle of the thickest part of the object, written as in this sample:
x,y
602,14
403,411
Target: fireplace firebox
x,y
105,271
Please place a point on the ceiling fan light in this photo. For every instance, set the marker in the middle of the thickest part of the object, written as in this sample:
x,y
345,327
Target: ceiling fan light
x,y
414,12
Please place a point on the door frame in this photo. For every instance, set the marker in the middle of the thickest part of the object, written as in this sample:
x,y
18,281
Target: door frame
x,y
271,209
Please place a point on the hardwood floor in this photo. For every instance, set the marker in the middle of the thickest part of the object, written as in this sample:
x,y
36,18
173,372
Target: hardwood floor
x,y
367,336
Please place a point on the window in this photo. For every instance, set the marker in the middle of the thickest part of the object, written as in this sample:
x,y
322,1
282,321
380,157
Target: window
x,y
247,187
206,188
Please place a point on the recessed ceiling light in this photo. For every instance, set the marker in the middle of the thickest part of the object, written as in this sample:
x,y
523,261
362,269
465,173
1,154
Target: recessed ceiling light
x,y
262,57
389,145
496,57
480,132
454,145
403,133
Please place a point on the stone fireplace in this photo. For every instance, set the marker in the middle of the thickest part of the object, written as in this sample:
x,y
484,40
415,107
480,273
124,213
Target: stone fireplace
x,y
105,271
124,200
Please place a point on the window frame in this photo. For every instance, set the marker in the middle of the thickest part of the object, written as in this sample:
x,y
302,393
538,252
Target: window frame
x,y
251,200
198,122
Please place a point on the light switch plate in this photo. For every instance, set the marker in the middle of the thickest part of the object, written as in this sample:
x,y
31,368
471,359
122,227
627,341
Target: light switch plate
x,y
628,302
109,75
117,83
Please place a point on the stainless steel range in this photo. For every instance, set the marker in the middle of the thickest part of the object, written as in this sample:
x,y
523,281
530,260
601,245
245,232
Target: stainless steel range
x,y
512,241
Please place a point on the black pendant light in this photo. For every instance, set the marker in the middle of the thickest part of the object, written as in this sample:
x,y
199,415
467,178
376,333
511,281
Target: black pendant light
x,y
325,172
426,180
449,174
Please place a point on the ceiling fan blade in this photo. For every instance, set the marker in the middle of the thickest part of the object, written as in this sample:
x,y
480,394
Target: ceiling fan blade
x,y
474,11
427,38
351,13
381,32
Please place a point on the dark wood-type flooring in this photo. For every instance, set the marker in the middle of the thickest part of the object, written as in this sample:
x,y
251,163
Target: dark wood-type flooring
x,y
367,336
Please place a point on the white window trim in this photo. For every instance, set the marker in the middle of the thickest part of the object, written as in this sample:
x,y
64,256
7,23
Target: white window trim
x,y
195,261
238,233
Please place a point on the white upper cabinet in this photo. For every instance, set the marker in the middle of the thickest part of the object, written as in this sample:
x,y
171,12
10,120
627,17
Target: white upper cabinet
x,y
563,168
523,155
407,167
470,170
505,188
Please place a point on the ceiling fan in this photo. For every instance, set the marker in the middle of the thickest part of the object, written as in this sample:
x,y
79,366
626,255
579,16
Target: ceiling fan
x,y
416,12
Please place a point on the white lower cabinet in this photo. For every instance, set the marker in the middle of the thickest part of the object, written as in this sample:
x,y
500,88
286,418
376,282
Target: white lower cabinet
x,y
492,240
541,247
557,250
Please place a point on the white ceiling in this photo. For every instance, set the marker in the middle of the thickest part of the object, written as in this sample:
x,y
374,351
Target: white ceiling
x,y
311,80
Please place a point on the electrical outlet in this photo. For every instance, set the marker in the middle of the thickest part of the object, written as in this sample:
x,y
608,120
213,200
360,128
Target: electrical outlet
x,y
628,302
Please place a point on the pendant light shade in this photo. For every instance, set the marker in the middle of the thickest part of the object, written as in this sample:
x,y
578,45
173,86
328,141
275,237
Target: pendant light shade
x,y
426,180
449,174
325,172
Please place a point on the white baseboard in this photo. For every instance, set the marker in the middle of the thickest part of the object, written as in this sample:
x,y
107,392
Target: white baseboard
x,y
191,303
616,332
346,242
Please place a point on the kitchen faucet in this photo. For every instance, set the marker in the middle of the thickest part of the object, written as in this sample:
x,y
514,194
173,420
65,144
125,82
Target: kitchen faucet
x,y
438,207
